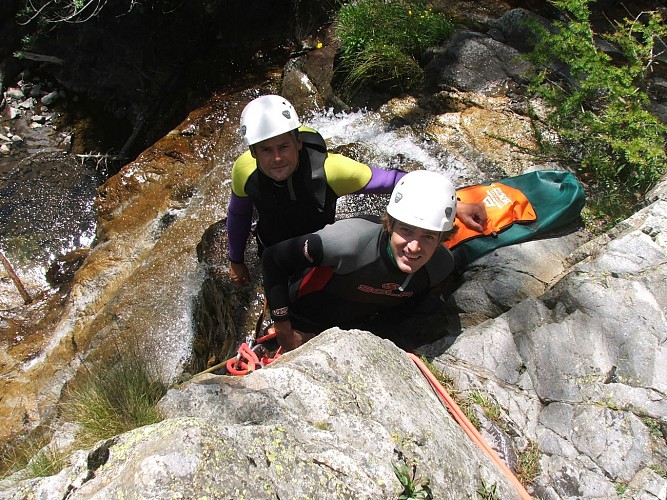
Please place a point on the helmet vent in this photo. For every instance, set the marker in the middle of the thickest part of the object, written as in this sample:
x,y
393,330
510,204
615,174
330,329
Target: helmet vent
x,y
286,114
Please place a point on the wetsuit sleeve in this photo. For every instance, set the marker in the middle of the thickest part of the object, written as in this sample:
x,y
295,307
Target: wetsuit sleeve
x,y
382,181
239,220
283,260
346,176
242,169
239,211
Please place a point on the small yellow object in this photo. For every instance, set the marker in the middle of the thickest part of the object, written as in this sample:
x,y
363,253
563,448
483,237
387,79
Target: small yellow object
x,y
319,45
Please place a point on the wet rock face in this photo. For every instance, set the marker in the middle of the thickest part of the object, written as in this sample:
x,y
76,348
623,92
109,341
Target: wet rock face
x,y
152,264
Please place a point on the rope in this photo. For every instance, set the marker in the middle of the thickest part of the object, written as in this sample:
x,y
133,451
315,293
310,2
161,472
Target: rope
x,y
247,360
468,428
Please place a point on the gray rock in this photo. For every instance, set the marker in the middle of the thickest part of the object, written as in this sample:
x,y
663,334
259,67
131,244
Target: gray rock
x,y
324,421
587,357
475,62
516,28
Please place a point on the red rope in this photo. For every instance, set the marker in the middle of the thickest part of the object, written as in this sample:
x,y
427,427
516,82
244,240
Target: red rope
x,y
468,428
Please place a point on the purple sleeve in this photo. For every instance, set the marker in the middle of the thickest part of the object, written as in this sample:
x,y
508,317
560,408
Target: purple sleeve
x,y
382,181
239,219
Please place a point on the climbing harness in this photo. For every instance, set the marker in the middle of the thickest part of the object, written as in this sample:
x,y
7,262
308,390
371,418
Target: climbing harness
x,y
468,427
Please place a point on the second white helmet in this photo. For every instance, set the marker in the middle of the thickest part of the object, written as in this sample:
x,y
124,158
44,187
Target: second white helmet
x,y
267,116
424,199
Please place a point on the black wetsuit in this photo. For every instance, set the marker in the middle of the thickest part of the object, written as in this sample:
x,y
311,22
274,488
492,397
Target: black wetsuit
x,y
342,276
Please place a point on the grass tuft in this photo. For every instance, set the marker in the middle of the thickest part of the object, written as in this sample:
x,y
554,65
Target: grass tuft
x,y
382,42
110,399
528,464
32,458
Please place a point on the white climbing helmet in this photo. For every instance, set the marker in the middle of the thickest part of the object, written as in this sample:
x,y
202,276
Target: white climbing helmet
x,y
424,199
267,116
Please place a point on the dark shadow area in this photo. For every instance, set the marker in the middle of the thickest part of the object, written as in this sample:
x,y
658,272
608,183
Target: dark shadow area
x,y
134,72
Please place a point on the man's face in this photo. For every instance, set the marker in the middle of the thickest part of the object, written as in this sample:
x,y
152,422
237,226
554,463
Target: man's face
x,y
278,156
412,247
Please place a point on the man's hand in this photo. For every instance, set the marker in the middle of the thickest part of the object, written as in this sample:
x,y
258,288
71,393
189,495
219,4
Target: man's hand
x,y
473,215
238,272
289,338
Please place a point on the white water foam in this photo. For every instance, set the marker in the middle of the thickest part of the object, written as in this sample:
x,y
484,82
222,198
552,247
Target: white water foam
x,y
388,147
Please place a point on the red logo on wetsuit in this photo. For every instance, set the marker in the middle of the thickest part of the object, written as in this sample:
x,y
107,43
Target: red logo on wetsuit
x,y
387,289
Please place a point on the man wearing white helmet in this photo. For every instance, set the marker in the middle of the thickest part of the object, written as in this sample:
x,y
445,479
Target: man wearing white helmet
x,y
293,182
346,273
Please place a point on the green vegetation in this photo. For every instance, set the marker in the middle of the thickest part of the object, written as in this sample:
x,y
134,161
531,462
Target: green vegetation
x,y
114,398
491,410
382,41
31,456
528,464
109,399
414,487
465,403
47,12
488,492
654,426
659,469
621,487
599,108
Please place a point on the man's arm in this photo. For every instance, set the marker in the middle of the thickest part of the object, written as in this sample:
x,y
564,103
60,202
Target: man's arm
x,y
288,338
382,181
279,263
473,215
348,176
239,220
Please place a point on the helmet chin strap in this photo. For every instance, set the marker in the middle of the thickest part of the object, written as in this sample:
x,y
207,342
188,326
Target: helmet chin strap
x,y
407,279
405,282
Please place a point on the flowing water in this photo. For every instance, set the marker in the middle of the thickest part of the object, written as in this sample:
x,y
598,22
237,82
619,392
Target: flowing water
x,y
366,136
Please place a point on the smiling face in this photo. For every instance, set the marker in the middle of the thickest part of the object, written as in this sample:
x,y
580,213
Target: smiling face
x,y
412,247
278,156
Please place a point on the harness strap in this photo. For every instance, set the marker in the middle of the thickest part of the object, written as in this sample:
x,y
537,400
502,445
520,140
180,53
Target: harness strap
x,y
317,153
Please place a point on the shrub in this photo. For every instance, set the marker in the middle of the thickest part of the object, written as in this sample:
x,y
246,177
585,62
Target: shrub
x,y
599,110
383,41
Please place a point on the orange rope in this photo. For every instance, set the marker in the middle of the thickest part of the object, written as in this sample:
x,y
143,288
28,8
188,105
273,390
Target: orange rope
x,y
468,428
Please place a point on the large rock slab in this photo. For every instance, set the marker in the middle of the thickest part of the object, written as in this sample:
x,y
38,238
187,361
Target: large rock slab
x,y
580,369
327,420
